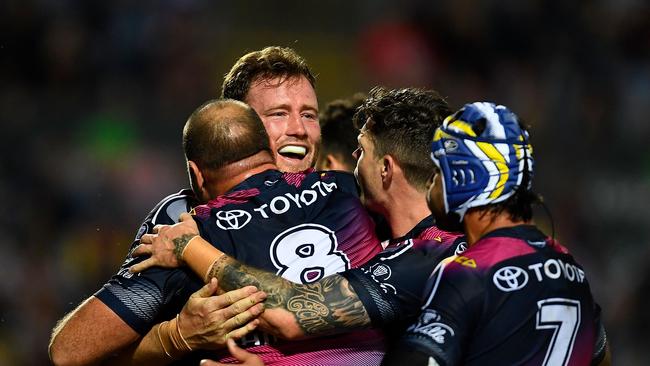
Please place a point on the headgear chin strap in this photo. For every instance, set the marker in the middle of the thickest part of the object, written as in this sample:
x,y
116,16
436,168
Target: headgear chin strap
x,y
483,155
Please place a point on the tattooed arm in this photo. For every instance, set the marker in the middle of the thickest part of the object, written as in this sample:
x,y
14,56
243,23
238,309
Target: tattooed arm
x,y
296,310
291,310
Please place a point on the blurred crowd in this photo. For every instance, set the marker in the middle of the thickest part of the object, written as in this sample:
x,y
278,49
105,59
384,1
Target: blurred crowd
x,y
93,96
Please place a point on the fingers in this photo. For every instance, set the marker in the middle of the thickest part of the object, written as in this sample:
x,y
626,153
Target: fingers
x,y
184,217
233,296
139,267
242,355
244,304
208,290
147,238
207,362
243,317
142,249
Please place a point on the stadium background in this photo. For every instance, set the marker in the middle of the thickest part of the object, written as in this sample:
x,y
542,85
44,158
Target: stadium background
x,y
93,96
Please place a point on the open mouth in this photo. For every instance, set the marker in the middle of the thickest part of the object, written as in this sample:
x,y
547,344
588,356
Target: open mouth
x,y
293,152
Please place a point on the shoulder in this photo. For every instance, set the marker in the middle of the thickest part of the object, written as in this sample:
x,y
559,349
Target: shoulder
x,y
169,208
344,181
488,252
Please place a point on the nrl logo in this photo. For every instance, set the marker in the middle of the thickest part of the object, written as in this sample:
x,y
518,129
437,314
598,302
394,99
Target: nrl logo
x,y
232,220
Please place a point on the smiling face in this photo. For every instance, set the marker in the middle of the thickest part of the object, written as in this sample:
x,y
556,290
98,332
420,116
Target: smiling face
x,y
289,110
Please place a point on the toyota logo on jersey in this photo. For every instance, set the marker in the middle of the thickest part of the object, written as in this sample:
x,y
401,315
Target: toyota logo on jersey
x,y
510,278
232,220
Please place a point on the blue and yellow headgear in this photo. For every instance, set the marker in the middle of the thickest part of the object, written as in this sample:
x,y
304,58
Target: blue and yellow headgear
x,y
484,156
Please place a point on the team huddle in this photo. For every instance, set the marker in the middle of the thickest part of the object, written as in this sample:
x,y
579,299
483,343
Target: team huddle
x,y
426,255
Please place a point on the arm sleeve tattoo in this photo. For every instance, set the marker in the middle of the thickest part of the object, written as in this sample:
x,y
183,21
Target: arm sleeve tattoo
x,y
327,306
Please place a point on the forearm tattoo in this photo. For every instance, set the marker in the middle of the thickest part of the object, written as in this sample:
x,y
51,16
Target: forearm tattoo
x,y
321,307
180,243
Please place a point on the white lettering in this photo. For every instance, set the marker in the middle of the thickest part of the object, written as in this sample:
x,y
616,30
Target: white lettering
x,y
555,268
581,275
277,210
330,186
308,201
320,188
570,272
261,210
538,273
281,204
547,269
294,198
563,267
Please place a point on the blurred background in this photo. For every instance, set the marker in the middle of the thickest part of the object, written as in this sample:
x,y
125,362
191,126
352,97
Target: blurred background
x,y
93,97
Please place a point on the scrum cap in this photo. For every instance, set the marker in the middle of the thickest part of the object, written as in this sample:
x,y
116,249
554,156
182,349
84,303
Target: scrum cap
x,y
484,156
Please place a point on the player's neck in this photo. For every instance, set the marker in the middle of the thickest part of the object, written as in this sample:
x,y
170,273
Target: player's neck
x,y
232,174
405,208
479,223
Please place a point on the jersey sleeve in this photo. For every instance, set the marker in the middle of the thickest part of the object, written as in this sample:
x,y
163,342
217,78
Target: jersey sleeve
x,y
390,285
600,346
445,322
143,299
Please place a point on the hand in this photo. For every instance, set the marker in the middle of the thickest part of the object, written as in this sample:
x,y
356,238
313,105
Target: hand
x,y
245,357
166,244
208,321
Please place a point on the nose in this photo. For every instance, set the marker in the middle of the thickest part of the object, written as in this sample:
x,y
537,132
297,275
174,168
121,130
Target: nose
x,y
295,126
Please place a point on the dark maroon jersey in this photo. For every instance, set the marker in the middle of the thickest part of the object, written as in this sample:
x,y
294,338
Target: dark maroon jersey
x,y
514,297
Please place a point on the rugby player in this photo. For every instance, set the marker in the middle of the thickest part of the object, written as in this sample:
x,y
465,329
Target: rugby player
x,y
515,296
280,86
487,284
395,115
393,167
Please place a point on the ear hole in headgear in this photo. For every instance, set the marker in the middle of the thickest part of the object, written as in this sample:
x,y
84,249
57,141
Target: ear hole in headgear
x,y
479,126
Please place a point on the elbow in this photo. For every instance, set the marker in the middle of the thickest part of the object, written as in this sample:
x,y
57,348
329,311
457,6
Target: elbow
x,y
57,357
62,357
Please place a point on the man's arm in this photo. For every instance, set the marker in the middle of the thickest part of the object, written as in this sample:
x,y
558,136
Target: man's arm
x,y
74,342
230,315
292,310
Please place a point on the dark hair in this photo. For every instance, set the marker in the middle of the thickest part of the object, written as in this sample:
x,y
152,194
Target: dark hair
x,y
223,131
268,63
338,133
401,123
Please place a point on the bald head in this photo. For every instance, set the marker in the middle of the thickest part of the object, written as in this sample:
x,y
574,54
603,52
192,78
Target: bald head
x,y
221,132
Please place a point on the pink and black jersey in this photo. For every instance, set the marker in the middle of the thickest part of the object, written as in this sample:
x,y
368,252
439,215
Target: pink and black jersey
x,y
301,226
390,286
514,297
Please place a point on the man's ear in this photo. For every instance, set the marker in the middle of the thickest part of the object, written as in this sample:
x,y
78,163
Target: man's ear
x,y
197,180
324,163
387,169
335,162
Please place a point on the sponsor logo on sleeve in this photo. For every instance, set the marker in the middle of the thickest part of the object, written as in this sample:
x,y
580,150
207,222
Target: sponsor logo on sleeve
x,y
141,231
510,278
380,273
430,326
233,219
465,261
